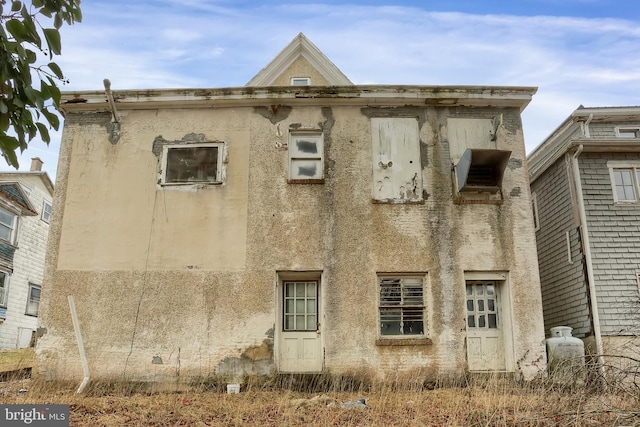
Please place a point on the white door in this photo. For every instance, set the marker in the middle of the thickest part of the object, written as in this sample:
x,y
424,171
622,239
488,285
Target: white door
x,y
485,348
300,347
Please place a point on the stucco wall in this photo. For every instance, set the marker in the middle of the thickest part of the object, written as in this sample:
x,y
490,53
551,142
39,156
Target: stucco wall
x,y
190,276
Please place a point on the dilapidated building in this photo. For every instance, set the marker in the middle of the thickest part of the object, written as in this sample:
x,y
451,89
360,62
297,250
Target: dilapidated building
x,y
25,212
585,181
300,223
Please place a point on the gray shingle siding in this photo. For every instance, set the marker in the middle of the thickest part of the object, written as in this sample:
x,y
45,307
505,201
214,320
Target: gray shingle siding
x,y
614,235
564,296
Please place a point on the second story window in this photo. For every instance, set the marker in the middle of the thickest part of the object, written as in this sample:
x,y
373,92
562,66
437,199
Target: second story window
x,y
625,179
7,225
306,157
628,131
46,211
193,164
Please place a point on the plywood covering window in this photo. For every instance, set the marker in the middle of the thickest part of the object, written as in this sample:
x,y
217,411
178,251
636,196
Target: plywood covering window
x,y
306,157
401,305
397,170
192,164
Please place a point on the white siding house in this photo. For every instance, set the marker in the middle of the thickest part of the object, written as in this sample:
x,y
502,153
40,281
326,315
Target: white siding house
x,y
25,212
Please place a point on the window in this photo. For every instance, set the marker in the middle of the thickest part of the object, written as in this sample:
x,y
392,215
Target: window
x,y
7,225
46,211
33,303
306,153
482,305
300,81
4,288
628,132
625,177
193,164
300,306
534,208
401,305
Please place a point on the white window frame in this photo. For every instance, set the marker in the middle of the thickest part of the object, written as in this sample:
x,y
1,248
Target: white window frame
x,y
411,305
220,166
634,167
31,301
625,131
297,156
13,227
4,296
46,213
300,81
534,208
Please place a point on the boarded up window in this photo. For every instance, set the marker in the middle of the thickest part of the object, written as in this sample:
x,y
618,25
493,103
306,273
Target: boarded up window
x,y
401,306
193,163
397,171
306,153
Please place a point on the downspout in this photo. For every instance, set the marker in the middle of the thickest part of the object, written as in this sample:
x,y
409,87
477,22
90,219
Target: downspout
x,y
585,129
587,255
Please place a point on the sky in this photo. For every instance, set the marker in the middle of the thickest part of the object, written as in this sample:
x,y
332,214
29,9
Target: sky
x,y
577,52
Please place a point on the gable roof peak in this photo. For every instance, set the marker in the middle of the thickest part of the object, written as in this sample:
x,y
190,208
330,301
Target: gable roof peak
x,y
300,47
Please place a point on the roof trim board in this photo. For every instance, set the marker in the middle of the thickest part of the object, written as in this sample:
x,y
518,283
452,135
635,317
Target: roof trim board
x,y
300,46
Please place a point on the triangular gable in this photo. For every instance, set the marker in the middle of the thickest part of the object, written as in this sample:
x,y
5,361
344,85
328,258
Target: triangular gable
x,y
298,57
13,193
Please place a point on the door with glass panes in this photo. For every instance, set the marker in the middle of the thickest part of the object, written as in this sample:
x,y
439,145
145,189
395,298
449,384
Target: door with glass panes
x,y
300,348
485,347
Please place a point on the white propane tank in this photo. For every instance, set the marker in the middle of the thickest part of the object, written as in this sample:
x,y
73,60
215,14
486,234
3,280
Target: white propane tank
x,y
565,354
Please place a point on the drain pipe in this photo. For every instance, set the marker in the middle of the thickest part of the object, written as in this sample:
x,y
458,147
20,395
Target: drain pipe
x,y
83,356
587,254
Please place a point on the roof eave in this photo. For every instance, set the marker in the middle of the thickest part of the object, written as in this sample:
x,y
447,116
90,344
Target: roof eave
x,y
371,95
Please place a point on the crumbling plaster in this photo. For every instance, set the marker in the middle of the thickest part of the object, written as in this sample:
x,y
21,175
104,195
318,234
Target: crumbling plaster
x,y
189,275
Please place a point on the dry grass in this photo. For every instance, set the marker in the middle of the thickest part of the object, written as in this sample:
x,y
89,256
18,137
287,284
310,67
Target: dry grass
x,y
495,402
13,360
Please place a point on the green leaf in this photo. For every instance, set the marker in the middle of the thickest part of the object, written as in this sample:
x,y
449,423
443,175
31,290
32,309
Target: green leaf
x,y
52,118
56,70
16,29
16,6
3,107
53,40
44,132
30,56
57,21
37,3
9,145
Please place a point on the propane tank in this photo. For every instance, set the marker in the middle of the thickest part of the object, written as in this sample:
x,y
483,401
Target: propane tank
x,y
565,354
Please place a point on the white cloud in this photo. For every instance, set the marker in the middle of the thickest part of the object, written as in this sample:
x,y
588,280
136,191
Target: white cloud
x,y
202,43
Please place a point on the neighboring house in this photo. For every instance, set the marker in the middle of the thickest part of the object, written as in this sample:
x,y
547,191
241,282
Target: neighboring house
x,y
25,212
586,199
297,224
